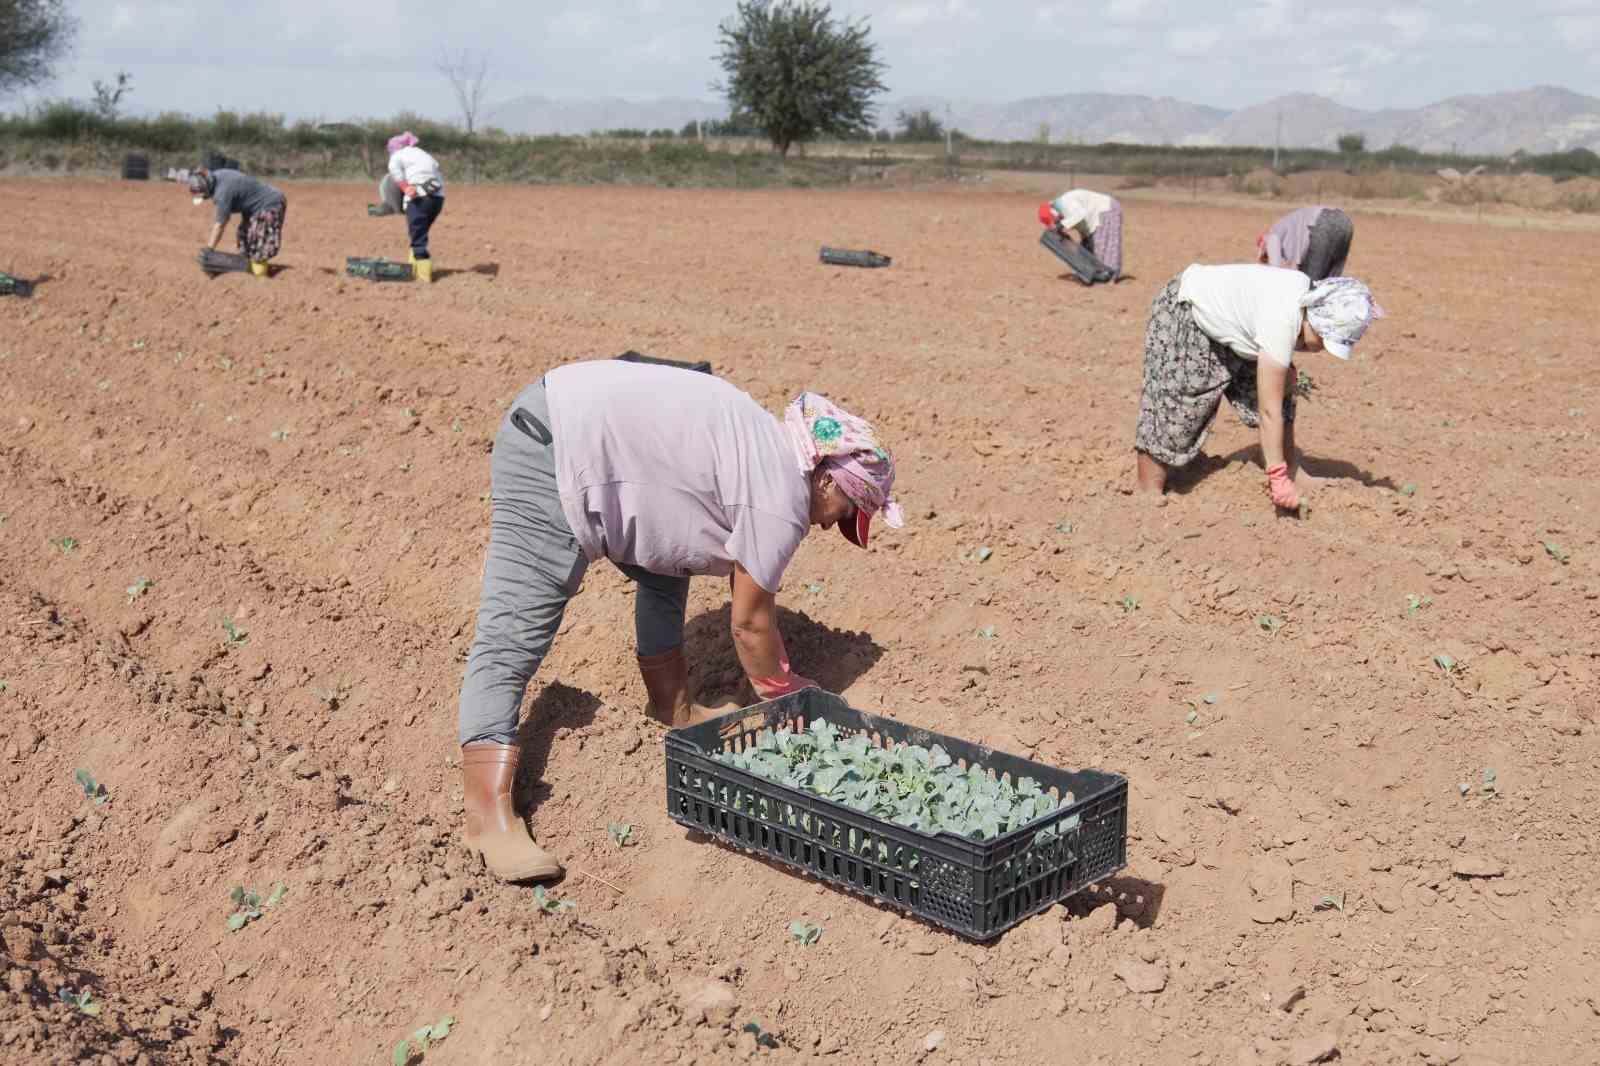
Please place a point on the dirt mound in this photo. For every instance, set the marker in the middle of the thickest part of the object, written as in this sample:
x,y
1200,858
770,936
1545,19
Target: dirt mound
x,y
241,530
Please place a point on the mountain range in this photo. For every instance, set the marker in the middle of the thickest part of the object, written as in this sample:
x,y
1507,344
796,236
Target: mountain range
x,y
1541,119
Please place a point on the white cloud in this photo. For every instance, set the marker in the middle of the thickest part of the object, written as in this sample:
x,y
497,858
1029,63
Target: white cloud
x,y
1126,10
1579,31
1193,40
580,23
916,16
1411,23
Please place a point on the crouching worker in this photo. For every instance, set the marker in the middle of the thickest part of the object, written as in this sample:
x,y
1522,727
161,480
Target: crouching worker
x,y
666,473
260,207
1312,240
421,185
1095,217
1231,332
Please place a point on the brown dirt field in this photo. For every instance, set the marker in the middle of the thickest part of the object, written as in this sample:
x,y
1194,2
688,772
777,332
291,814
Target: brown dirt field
x,y
308,457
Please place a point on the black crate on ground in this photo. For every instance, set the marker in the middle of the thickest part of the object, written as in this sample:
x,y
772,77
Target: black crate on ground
x,y
631,356
214,262
377,269
978,889
852,258
135,167
10,286
1079,259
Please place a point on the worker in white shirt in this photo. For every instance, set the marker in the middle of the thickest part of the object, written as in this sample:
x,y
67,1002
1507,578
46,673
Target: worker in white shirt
x,y
421,184
1097,219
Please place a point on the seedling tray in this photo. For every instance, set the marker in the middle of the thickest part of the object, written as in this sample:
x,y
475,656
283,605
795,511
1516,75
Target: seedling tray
x,y
631,356
377,269
851,258
10,286
1079,259
214,262
978,889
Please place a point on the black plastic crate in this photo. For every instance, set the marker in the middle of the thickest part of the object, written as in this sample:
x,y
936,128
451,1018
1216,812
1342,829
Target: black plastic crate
x,y
377,269
631,356
215,262
10,286
853,258
978,889
1079,259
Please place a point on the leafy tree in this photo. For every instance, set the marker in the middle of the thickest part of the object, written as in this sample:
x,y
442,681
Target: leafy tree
x,y
107,97
1352,144
33,35
919,126
797,71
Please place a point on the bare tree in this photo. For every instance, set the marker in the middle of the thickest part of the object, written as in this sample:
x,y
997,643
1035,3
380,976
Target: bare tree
x,y
108,97
467,71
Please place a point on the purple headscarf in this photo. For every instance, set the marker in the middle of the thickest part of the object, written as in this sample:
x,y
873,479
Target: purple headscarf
x,y
401,140
828,436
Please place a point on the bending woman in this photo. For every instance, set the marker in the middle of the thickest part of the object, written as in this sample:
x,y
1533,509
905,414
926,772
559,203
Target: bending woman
x,y
260,207
1097,219
1312,240
666,473
1231,332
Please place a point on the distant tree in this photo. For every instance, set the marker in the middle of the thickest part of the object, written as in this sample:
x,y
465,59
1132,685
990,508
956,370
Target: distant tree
x,y
108,98
467,72
663,133
33,35
797,71
1044,133
919,126
1352,143
883,135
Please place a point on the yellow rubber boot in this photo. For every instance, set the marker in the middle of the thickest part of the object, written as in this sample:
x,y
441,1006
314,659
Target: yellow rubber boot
x,y
423,268
260,270
411,257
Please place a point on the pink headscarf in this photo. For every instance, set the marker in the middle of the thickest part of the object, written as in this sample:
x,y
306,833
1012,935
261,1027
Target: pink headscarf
x,y
401,140
826,435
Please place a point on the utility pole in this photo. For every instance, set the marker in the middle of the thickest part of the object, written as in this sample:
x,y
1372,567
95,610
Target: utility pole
x,y
1277,140
947,132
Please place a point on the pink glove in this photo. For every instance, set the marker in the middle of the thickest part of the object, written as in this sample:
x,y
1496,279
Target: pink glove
x,y
784,681
1281,488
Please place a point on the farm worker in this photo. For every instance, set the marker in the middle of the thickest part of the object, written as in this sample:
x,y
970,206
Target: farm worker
x,y
1097,219
260,208
1312,240
666,473
1231,332
417,175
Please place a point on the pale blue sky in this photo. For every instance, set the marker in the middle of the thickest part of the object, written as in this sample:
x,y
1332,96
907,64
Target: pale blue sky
x,y
337,60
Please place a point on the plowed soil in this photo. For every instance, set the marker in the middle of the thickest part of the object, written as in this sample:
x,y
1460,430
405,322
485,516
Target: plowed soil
x,y
1338,847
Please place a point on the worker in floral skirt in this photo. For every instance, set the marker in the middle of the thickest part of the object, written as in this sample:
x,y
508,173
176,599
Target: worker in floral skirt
x,y
260,207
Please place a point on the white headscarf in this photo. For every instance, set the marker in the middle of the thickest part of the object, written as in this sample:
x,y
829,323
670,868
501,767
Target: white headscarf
x,y
1340,310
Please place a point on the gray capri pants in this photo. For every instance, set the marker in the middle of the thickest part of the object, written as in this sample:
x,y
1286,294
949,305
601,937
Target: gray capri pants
x,y
533,568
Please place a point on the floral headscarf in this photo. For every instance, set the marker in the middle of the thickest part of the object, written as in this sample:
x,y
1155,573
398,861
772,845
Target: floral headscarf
x,y
401,140
846,446
1340,309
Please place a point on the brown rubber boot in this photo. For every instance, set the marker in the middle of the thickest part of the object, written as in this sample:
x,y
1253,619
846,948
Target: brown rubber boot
x,y
666,679
494,831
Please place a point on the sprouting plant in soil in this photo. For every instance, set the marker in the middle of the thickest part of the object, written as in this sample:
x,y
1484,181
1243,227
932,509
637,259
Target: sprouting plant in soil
x,y
248,905
235,635
1448,665
1129,604
92,789
909,785
1269,624
1557,552
1303,385
1415,603
1331,903
805,933
139,587
66,544
1063,527
1408,489
417,1044
336,696
981,554
763,1038
548,903
814,588
986,633
83,1002
621,834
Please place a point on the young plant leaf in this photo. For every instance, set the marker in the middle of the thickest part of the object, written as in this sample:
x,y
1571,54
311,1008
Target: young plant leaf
x,y
402,1053
1557,552
804,932
621,833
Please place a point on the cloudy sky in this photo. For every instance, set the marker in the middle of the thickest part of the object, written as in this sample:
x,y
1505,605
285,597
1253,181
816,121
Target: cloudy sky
x,y
331,60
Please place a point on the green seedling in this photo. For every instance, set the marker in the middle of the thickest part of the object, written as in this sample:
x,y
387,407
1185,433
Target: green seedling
x,y
139,587
1063,527
418,1043
1303,385
814,587
548,903
280,435
236,636
1331,903
1415,603
336,696
763,1038
987,633
1491,781
92,789
1557,552
621,833
1129,604
1192,717
83,1001
1408,489
66,544
5,686
805,933
981,554
1447,664
921,788
1269,624
248,905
